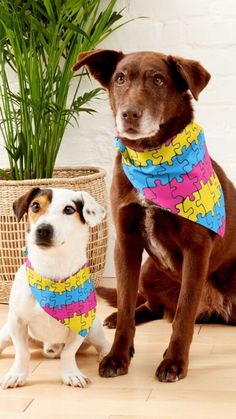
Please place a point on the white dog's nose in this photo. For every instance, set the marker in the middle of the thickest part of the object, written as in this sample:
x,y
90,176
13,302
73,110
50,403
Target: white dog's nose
x,y
44,234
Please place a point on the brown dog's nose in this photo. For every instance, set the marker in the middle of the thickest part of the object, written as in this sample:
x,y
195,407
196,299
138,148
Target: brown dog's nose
x,y
131,114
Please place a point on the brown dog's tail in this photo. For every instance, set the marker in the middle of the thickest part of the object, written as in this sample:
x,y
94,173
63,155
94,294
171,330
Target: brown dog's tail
x,y
110,296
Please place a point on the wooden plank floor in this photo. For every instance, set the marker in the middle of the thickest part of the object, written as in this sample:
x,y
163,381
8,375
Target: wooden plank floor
x,y
209,391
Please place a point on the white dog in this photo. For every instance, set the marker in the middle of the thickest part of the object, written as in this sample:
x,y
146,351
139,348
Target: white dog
x,y
54,281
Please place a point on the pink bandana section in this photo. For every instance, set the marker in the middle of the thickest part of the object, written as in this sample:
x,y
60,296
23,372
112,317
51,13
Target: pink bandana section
x,y
80,308
169,193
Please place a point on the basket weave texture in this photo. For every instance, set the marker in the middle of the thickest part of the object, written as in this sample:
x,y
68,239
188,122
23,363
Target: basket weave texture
x,y
12,233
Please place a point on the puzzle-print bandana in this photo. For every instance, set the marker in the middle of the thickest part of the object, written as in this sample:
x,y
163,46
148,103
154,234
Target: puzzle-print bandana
x,y
178,176
72,301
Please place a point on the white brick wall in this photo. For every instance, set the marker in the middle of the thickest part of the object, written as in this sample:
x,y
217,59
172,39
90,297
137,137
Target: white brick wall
x,y
202,30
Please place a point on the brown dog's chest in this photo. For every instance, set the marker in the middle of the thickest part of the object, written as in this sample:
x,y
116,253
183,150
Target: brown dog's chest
x,y
158,241
158,229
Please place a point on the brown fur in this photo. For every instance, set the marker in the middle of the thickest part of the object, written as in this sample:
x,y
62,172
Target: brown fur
x,y
43,201
24,204
191,272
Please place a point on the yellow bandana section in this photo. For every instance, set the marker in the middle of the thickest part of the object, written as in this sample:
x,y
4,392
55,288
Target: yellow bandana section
x,y
76,324
192,208
165,152
75,280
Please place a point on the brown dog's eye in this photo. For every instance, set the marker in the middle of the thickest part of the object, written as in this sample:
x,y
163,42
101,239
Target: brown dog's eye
x,y
69,210
35,207
120,78
157,80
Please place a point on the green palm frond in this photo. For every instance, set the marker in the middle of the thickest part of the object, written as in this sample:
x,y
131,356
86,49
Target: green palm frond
x,y
39,41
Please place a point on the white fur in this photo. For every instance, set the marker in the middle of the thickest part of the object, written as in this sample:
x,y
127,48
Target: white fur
x,y
26,317
148,127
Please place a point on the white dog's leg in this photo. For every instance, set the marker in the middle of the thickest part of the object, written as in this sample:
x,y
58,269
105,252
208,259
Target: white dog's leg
x,y
17,375
71,375
5,338
97,338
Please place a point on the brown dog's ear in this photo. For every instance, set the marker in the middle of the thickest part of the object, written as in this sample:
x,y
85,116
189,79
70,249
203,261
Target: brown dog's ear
x,y
101,64
190,74
21,205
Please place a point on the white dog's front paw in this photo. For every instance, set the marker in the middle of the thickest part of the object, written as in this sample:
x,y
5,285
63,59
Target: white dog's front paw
x,y
13,379
75,379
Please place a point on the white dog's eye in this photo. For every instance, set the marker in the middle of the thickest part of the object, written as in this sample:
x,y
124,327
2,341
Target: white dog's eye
x,y
35,206
68,210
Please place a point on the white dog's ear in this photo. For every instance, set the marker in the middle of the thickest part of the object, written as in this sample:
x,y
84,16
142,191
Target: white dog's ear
x,y
21,205
93,212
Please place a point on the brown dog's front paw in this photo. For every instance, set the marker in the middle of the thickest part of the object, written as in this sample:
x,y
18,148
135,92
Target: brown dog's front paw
x,y
171,370
111,321
113,365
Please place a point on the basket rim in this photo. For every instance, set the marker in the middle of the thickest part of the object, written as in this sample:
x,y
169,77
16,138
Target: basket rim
x,y
99,172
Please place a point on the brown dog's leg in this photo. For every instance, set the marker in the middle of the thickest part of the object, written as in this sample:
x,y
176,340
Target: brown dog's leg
x,y
148,306
159,289
195,267
128,256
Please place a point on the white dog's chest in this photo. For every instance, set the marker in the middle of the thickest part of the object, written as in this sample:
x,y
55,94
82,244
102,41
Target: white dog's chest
x,y
44,328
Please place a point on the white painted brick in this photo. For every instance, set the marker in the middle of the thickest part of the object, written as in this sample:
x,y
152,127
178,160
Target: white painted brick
x,y
168,9
222,8
173,33
219,62
147,34
218,117
3,155
210,33
220,90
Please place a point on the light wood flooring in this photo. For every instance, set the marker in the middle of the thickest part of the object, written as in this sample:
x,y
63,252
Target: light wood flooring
x,y
208,392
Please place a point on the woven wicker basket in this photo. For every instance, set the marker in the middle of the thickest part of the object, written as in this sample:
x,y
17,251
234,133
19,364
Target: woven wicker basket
x,y
12,233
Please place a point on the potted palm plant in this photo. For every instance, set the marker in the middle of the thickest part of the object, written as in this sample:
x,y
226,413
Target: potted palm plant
x,y
39,42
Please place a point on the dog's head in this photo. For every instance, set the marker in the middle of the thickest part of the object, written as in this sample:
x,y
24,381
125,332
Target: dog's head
x,y
146,89
58,217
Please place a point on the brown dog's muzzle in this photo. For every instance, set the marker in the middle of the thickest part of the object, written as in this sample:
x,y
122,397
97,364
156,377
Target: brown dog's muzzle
x,y
131,118
131,115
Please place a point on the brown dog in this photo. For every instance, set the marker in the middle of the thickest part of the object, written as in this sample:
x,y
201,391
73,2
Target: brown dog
x,y
191,271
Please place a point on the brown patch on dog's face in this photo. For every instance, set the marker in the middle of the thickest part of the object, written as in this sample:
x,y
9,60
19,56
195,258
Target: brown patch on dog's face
x,y
79,211
35,203
39,205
